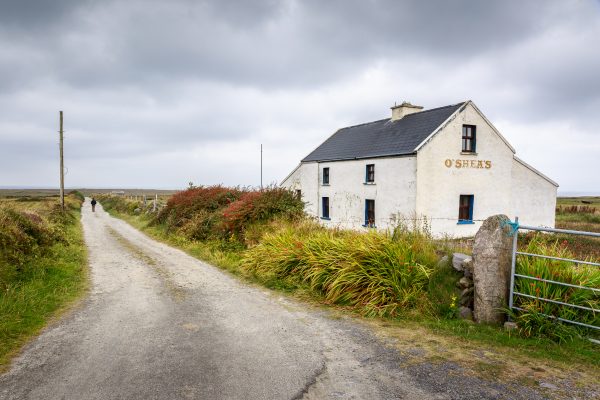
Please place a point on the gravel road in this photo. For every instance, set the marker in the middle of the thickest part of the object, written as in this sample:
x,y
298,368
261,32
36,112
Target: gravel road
x,y
159,324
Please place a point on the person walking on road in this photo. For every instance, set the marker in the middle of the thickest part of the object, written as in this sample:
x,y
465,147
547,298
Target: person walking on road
x,y
94,204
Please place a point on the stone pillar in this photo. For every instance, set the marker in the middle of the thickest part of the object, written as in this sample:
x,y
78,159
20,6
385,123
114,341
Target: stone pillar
x,y
491,269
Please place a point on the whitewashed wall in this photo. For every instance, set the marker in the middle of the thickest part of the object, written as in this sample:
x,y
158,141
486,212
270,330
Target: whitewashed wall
x,y
429,186
439,186
305,178
533,197
394,190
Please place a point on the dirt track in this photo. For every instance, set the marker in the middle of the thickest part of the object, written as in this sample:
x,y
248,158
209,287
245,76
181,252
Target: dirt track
x,y
159,324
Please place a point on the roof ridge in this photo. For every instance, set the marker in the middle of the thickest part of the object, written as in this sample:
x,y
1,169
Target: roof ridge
x,y
388,119
437,108
364,123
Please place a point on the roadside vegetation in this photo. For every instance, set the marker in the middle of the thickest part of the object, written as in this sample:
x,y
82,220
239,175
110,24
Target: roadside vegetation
x,y
42,265
265,237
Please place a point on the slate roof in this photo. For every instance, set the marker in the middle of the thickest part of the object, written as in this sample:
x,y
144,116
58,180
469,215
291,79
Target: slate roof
x,y
383,137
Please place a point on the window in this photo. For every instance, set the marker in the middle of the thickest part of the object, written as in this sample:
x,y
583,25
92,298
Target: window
x,y
465,209
299,194
325,208
326,176
468,139
370,175
370,213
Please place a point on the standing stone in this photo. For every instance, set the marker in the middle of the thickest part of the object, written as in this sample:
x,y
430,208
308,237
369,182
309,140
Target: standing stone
x,y
491,269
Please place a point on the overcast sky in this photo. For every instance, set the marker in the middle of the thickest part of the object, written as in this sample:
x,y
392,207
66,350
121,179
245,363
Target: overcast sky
x,y
160,93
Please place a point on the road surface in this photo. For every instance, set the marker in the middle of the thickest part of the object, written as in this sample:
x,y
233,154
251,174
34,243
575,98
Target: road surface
x,y
159,324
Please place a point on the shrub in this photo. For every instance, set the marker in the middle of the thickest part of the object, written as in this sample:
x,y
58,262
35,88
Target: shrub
x,y
216,212
182,206
26,234
260,206
202,225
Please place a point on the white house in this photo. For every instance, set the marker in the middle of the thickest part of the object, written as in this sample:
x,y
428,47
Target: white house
x,y
448,166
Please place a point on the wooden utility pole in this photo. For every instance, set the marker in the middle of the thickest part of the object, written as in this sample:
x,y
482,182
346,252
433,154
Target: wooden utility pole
x,y
261,184
62,165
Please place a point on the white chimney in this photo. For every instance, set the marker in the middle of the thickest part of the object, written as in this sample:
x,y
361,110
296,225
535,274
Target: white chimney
x,y
404,109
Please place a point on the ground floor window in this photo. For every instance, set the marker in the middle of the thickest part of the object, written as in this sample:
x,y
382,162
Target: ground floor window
x,y
325,207
299,194
465,209
370,213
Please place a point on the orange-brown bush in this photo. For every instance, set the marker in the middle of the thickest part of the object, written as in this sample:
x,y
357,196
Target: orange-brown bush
x,y
218,212
182,206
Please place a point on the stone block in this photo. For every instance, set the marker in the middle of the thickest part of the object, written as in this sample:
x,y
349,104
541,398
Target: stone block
x,y
465,313
465,282
491,269
457,261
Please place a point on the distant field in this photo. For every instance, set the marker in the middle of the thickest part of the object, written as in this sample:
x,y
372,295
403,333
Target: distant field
x,y
88,192
578,213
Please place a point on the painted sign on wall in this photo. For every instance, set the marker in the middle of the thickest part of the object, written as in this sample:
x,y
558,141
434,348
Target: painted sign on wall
x,y
450,162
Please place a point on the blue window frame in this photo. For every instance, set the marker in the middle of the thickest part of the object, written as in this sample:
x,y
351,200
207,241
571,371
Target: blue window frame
x,y
325,207
370,213
465,209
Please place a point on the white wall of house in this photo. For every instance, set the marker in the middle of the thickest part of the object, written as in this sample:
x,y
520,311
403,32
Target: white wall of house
x,y
442,176
305,178
394,190
533,196
428,185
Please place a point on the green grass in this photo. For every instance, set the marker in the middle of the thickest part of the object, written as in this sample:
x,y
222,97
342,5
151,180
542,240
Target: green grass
x,y
46,285
577,351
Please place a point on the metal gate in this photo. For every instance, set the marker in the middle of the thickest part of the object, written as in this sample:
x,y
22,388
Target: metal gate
x,y
515,295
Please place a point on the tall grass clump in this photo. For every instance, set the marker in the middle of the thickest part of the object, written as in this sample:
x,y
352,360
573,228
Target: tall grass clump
x,y
379,273
534,321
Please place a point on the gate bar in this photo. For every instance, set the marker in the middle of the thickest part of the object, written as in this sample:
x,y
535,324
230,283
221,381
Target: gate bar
x,y
559,259
558,283
563,320
556,302
535,228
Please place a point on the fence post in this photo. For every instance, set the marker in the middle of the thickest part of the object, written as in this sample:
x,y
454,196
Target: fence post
x,y
513,264
491,269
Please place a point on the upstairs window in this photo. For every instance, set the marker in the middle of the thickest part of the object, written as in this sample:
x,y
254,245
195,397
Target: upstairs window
x,y
370,213
468,138
325,207
370,173
325,176
465,209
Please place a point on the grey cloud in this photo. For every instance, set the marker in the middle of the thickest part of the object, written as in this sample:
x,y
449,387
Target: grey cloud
x,y
266,43
148,79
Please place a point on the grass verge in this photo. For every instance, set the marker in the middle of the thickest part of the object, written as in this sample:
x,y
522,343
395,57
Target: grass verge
x,y
45,283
